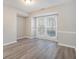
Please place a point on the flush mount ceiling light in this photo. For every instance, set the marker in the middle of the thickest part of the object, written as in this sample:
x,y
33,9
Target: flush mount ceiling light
x,y
28,2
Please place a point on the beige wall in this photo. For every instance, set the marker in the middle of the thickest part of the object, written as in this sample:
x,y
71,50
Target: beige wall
x,y
9,24
66,22
21,27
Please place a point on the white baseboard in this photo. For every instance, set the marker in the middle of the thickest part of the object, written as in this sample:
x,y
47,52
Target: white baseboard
x,y
66,45
24,37
21,37
29,37
9,43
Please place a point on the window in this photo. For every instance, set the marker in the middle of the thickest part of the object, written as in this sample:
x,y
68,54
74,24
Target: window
x,y
45,26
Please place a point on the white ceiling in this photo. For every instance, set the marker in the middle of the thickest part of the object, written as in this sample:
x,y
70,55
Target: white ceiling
x,y
35,4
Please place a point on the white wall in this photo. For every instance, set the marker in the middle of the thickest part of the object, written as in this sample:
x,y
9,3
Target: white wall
x,y
66,22
21,27
9,24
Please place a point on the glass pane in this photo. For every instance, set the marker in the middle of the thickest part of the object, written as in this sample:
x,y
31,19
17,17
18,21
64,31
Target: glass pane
x,y
41,26
51,32
50,22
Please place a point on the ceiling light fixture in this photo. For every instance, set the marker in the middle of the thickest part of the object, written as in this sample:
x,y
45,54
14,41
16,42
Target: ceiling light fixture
x,y
28,2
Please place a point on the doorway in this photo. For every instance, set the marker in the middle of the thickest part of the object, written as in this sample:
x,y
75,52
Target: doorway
x,y
45,27
21,27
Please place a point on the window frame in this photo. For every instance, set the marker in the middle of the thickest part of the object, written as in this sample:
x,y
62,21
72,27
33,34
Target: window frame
x,y
44,14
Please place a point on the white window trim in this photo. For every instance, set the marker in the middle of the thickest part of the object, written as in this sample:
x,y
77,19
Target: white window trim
x,y
45,14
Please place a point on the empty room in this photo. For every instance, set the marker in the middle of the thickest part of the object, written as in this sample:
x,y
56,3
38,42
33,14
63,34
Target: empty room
x,y
39,29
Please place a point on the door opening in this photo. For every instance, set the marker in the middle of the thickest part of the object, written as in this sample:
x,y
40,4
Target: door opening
x,y
45,27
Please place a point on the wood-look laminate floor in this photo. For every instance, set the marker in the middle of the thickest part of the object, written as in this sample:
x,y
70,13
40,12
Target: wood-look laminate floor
x,y
37,49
